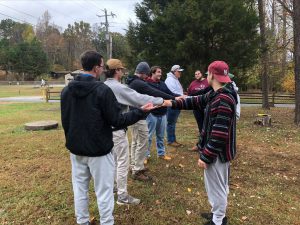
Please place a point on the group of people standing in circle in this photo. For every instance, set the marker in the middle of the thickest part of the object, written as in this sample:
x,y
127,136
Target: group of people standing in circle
x,y
95,117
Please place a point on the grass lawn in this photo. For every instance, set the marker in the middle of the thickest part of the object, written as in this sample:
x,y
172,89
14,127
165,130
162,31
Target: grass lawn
x,y
22,90
35,176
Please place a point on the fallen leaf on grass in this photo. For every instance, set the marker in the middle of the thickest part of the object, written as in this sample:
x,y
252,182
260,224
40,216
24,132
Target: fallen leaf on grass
x,y
244,218
174,220
180,165
189,190
188,212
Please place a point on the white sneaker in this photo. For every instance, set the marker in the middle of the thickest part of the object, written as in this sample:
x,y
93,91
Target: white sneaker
x,y
127,200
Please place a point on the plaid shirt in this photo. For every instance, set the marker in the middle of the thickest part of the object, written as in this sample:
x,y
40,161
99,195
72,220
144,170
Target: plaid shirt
x,y
218,135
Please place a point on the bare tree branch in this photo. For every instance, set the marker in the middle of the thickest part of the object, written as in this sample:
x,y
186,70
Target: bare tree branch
x,y
288,9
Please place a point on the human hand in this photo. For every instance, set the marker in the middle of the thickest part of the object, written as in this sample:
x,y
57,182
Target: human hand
x,y
180,97
147,107
202,164
167,103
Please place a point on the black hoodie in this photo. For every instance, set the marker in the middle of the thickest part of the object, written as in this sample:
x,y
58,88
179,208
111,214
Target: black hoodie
x,y
141,86
89,109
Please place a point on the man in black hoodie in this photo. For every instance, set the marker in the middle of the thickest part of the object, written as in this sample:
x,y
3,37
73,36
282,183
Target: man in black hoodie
x,y
89,110
140,129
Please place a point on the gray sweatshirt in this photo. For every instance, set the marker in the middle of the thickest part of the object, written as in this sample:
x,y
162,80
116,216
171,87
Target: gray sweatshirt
x,y
129,97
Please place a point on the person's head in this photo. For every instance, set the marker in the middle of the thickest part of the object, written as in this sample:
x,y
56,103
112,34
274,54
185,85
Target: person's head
x,y
176,70
198,75
114,69
92,62
155,73
142,70
218,73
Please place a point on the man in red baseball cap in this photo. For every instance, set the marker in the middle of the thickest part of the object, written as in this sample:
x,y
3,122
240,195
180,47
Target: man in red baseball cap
x,y
220,70
217,145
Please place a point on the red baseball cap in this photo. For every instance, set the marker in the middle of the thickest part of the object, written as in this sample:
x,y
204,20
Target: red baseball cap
x,y
220,70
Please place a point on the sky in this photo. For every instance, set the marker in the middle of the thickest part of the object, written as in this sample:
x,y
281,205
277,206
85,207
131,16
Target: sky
x,y
64,12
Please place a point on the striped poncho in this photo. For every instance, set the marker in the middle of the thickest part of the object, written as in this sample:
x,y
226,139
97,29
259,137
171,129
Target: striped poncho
x,y
218,135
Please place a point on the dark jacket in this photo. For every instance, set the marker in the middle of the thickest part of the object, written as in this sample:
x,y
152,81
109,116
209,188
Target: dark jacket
x,y
139,85
89,109
160,85
218,135
142,87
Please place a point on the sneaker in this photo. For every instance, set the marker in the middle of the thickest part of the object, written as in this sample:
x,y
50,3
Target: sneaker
x,y
128,200
224,222
164,157
141,176
180,145
174,144
207,216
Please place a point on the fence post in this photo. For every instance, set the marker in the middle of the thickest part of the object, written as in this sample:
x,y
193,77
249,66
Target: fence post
x,y
45,93
273,100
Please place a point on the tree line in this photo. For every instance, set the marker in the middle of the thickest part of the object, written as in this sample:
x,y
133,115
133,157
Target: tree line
x,y
258,38
29,52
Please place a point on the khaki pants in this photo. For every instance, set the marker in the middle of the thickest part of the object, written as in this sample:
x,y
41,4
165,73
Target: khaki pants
x,y
121,155
139,145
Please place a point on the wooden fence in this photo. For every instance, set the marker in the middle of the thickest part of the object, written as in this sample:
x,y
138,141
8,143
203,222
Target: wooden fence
x,y
50,95
246,97
274,98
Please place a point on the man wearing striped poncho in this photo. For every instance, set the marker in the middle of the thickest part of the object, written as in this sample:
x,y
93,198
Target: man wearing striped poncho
x,y
218,137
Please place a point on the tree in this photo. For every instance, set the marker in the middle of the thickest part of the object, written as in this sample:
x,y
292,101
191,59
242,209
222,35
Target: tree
x,y
78,38
51,39
293,8
193,33
296,21
28,60
264,55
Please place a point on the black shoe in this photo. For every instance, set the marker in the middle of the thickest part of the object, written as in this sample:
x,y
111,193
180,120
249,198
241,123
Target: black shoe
x,y
207,216
224,222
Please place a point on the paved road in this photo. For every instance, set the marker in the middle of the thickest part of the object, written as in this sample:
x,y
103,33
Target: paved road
x,y
25,99
40,99
276,105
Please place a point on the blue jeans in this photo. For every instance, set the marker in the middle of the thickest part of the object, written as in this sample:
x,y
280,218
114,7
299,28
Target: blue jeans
x,y
172,116
156,124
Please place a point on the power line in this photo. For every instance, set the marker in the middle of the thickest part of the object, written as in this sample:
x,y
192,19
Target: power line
x,y
64,14
93,4
17,19
19,11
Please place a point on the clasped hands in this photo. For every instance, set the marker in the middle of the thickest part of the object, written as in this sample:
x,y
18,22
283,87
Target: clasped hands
x,y
166,103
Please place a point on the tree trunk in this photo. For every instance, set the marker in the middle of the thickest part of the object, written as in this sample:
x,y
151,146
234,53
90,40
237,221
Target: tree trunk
x,y
296,21
284,43
264,55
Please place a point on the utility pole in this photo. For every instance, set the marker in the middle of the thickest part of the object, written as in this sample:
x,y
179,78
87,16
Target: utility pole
x,y
108,38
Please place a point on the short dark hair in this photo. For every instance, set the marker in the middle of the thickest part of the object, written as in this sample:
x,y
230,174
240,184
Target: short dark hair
x,y
153,69
109,73
89,59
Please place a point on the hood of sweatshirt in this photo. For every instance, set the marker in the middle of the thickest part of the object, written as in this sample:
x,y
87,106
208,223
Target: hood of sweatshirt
x,y
82,86
131,78
170,74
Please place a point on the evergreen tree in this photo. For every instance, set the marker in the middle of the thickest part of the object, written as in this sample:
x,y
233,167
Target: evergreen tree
x,y
193,33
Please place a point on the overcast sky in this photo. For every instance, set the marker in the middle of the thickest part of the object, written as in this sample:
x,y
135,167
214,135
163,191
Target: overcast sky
x,y
64,12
